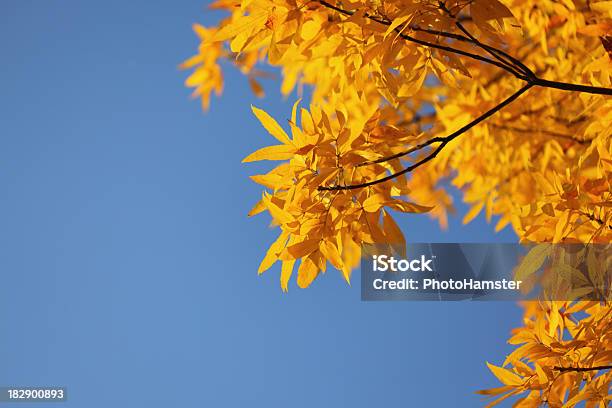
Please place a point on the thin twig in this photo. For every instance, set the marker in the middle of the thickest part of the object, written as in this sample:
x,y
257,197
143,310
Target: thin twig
x,y
583,369
496,53
422,42
542,131
443,142
501,59
535,81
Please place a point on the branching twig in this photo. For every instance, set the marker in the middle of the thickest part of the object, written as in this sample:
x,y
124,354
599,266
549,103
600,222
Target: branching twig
x,y
422,42
536,81
500,59
442,140
496,53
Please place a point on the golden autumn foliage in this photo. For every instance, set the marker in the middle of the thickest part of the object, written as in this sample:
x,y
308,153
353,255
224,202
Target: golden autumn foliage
x,y
509,101
562,358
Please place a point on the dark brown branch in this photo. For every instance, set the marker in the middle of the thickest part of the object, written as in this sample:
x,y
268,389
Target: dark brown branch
x,y
443,142
501,59
403,153
596,90
583,369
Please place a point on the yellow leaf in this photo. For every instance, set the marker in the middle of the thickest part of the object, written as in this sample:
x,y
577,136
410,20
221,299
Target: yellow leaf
x,y
192,62
507,377
412,87
276,152
278,214
273,252
257,208
501,224
373,203
273,181
602,6
271,125
396,23
495,391
394,234
286,271
473,212
307,273
310,29
407,207
542,377
532,261
301,249
294,111
331,253
245,24
490,10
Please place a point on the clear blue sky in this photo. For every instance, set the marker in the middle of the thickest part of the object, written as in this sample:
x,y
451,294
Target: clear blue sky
x,y
128,263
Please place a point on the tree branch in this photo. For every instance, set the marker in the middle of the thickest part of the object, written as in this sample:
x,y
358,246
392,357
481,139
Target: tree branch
x,y
422,42
565,86
499,54
496,53
442,140
534,80
506,65
582,369
501,59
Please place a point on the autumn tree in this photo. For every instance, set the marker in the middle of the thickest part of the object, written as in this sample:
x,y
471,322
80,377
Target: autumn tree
x,y
509,101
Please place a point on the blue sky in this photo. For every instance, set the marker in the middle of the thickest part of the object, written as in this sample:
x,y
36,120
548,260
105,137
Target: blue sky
x,y
128,262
